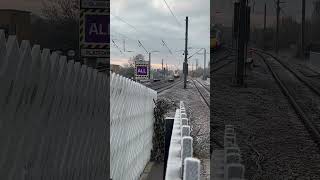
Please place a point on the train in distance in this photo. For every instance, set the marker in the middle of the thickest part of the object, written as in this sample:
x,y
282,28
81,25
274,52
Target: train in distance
x,y
176,74
215,38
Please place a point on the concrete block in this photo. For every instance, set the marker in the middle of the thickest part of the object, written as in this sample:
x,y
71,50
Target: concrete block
x,y
183,115
185,131
232,158
184,121
235,171
234,149
191,169
186,150
229,126
230,138
229,131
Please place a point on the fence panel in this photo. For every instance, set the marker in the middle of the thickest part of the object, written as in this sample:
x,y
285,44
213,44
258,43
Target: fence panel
x,y
131,110
54,115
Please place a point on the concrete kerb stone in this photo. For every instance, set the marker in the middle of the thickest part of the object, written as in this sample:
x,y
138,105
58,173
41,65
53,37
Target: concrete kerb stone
x,y
235,171
191,169
184,121
229,131
183,115
229,141
186,150
185,131
232,158
229,126
234,149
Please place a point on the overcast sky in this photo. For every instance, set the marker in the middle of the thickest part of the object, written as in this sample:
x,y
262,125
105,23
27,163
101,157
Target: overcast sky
x,y
152,22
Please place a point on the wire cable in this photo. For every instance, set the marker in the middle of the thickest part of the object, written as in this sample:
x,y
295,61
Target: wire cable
x,y
172,13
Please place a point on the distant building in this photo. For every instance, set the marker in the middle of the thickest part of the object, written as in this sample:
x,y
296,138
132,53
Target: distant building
x,y
16,22
115,68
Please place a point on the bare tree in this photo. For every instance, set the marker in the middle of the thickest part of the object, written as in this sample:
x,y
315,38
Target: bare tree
x,y
60,25
139,57
61,10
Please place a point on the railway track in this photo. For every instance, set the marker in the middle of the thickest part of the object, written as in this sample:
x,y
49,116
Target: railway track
x,y
302,95
166,85
204,92
220,62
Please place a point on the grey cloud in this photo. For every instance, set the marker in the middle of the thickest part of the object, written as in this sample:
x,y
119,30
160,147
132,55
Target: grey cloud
x,y
156,24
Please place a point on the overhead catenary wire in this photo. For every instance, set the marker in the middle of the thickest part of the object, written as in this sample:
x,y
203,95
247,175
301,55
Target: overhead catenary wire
x,y
125,36
172,13
133,27
195,53
141,45
164,43
117,46
122,20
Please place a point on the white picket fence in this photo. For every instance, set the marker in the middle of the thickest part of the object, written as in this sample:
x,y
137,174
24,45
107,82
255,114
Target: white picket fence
x,y
132,106
54,118
181,164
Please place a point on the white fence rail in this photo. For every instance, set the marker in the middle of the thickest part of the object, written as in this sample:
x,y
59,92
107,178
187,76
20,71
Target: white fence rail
x,y
54,116
181,164
131,110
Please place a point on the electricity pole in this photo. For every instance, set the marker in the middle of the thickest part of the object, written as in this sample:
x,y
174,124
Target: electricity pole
x,y
149,65
204,64
277,33
162,69
124,48
192,69
186,56
167,70
264,25
196,64
241,42
303,25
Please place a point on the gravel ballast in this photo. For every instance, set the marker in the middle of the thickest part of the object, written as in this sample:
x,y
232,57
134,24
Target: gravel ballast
x,y
273,141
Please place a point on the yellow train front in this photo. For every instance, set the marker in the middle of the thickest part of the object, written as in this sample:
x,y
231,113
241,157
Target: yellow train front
x,y
213,43
215,37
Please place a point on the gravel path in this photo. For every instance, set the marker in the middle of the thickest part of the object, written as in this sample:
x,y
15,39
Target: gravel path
x,y
198,113
274,143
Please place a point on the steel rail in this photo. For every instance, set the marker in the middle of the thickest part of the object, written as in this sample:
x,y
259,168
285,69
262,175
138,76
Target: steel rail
x,y
309,125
